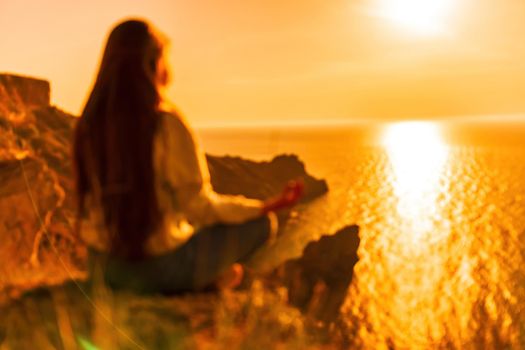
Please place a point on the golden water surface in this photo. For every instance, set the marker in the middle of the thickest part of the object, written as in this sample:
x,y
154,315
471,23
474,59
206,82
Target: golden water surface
x,y
442,226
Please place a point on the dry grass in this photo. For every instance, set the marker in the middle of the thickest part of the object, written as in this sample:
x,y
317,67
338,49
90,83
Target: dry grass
x,y
65,318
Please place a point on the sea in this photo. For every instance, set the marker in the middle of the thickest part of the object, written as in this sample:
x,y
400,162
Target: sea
x,y
441,212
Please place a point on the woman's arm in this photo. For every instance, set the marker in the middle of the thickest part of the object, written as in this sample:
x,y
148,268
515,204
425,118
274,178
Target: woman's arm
x,y
206,207
186,170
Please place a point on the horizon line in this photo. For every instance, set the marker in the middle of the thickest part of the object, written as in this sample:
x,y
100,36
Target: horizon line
x,y
341,122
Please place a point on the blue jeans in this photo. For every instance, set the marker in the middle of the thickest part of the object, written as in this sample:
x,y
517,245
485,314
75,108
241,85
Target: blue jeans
x,y
191,267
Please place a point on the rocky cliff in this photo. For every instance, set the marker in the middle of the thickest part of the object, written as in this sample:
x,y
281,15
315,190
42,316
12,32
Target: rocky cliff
x,y
34,185
36,207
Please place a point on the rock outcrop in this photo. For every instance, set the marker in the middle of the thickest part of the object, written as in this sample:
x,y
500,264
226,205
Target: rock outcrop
x,y
35,180
261,180
318,281
17,94
36,206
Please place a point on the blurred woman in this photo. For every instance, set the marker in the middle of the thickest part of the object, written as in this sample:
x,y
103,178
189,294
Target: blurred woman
x,y
146,207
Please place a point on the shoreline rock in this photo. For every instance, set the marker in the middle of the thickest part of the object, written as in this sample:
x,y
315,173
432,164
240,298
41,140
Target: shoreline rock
x,y
262,180
318,281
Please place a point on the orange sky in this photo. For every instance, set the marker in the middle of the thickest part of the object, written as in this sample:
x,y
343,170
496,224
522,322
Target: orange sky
x,y
275,60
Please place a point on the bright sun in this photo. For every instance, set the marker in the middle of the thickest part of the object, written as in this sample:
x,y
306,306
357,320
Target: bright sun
x,y
424,17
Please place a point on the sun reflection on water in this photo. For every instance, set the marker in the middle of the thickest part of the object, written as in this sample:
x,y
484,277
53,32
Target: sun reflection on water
x,y
441,226
417,155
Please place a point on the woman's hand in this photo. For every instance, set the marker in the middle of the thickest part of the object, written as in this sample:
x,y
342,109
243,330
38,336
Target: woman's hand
x,y
291,194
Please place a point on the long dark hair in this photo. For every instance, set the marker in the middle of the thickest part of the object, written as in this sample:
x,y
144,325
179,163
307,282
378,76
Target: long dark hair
x,y
113,146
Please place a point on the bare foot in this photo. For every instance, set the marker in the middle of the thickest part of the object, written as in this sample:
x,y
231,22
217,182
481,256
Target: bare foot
x,y
231,278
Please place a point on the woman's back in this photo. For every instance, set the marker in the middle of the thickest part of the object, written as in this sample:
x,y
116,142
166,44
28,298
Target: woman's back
x,y
184,195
